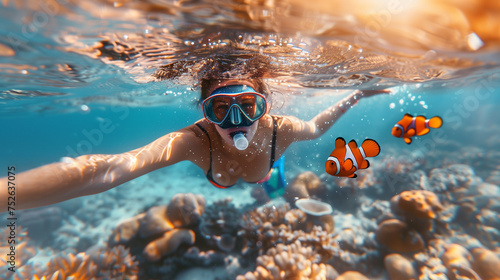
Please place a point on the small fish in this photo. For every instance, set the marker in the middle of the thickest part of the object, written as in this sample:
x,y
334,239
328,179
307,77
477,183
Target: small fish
x,y
411,126
346,159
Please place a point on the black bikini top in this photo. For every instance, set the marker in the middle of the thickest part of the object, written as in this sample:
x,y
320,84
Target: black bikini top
x,y
209,172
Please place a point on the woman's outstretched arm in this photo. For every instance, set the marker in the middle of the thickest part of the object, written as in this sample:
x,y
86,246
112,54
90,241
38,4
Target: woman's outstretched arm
x,y
318,125
91,174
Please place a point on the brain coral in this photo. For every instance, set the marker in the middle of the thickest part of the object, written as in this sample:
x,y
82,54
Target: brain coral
x,y
399,267
419,204
486,264
395,235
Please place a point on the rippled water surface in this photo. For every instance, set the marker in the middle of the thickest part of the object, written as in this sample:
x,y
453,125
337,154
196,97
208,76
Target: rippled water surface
x,y
117,44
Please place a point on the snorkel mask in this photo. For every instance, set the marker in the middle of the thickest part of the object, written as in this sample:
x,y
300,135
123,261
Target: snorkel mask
x,y
234,105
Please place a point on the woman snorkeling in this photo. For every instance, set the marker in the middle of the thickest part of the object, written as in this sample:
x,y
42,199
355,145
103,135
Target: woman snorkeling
x,y
237,139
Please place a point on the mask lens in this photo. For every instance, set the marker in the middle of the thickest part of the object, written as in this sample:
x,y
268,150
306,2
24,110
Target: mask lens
x,y
248,104
220,106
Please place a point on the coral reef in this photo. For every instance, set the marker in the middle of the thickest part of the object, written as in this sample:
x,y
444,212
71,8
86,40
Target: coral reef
x,y
318,213
486,263
293,261
304,185
41,223
103,263
220,223
185,233
402,220
419,204
395,235
167,225
168,243
399,267
351,275
18,258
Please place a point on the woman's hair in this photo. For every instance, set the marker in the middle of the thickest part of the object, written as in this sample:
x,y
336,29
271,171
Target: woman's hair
x,y
206,84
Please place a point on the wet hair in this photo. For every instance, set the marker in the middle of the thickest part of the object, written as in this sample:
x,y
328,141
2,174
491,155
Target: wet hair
x,y
206,84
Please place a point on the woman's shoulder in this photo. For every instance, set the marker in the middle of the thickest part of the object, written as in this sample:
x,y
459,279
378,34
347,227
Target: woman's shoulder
x,y
284,122
201,129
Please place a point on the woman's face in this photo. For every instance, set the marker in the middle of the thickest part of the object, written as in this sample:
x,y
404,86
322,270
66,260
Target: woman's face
x,y
227,133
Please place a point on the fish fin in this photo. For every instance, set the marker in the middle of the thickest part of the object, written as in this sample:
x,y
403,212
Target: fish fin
x,y
407,140
408,115
423,131
422,118
353,175
348,165
435,122
364,164
353,145
371,148
339,142
411,132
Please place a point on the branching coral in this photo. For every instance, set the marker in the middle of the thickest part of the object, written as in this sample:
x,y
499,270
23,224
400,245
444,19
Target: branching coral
x,y
263,228
293,261
108,263
285,226
15,254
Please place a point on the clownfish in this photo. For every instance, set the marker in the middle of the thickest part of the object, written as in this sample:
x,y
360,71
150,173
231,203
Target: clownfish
x,y
411,126
346,159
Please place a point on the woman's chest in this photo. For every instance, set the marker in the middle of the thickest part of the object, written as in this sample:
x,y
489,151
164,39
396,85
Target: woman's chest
x,y
251,166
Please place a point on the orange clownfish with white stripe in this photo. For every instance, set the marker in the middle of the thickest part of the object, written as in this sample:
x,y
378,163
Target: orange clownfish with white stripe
x,y
411,126
346,159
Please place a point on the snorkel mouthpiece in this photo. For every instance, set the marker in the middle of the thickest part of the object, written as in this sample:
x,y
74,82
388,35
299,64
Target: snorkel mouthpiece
x,y
240,141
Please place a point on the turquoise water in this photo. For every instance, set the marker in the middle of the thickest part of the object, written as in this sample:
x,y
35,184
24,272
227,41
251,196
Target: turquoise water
x,y
102,78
